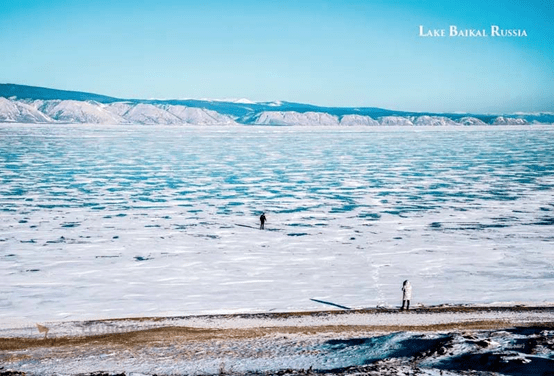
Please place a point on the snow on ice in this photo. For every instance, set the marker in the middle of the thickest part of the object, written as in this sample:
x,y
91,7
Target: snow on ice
x,y
111,221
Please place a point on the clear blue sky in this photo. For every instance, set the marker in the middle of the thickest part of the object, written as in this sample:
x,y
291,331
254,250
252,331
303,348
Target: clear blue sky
x,y
333,53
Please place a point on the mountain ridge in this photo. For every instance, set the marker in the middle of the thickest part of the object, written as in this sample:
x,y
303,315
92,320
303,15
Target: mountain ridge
x,y
30,104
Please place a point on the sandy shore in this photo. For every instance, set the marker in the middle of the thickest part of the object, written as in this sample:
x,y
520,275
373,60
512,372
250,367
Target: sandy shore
x,y
323,341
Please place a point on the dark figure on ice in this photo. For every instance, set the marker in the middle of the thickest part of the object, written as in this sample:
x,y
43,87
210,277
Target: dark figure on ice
x,y
262,221
406,294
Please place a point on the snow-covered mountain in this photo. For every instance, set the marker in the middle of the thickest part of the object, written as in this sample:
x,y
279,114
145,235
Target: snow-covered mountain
x,y
71,111
501,120
395,120
20,112
295,118
358,120
27,104
199,116
468,120
143,113
434,120
89,112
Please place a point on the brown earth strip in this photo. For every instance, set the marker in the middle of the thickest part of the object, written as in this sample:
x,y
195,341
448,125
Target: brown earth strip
x,y
167,335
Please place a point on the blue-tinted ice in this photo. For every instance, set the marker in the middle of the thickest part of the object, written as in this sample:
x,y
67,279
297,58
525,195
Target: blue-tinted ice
x,y
115,221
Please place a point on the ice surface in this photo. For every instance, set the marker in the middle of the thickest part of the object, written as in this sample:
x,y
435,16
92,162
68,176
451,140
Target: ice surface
x,y
111,221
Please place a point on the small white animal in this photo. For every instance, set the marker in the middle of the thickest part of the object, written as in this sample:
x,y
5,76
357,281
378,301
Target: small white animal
x,y
43,329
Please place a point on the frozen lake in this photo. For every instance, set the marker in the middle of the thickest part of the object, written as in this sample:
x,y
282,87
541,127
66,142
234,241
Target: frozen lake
x,y
119,221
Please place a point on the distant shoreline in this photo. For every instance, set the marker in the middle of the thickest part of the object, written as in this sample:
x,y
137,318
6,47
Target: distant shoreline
x,y
35,105
288,126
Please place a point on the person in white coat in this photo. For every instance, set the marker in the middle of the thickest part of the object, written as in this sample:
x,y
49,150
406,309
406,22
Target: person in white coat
x,y
406,294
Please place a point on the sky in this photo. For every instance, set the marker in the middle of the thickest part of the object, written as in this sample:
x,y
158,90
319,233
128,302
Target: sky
x,y
329,53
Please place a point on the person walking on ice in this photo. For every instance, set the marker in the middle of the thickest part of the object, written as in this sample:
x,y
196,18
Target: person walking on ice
x,y
406,294
262,221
